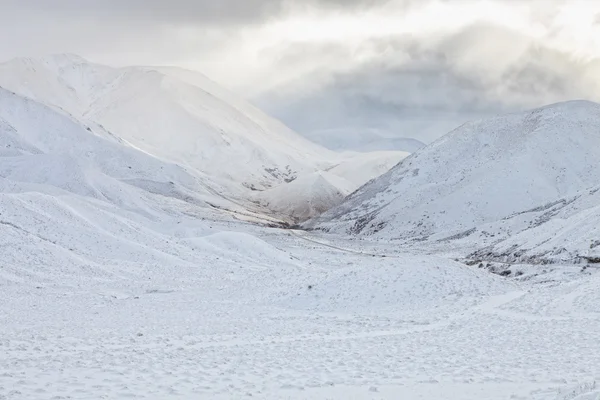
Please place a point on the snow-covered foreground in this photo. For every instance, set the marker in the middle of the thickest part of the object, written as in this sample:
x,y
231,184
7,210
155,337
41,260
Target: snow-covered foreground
x,y
97,302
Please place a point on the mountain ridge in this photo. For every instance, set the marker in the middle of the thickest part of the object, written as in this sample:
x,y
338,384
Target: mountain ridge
x,y
182,117
478,174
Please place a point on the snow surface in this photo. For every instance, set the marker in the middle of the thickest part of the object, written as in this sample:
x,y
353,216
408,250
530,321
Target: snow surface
x,y
182,118
101,302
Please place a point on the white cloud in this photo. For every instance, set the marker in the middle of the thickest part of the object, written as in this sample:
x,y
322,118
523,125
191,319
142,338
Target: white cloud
x,y
367,58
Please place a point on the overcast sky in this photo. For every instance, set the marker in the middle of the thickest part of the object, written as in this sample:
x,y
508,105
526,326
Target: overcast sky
x,y
412,68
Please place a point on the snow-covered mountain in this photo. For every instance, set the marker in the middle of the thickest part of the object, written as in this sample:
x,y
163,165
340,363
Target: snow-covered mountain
x,y
47,151
169,118
180,117
489,172
362,139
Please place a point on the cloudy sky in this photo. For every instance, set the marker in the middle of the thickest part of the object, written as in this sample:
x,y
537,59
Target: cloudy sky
x,y
413,68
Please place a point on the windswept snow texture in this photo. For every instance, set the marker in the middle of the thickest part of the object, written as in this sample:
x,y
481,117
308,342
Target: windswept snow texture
x,y
182,118
483,173
101,302
566,230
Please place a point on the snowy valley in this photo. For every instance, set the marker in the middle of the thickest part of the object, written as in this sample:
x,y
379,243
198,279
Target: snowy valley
x,y
147,249
183,119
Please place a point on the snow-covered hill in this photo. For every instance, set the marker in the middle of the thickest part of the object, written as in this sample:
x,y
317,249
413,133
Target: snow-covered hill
x,y
483,173
562,231
169,118
47,151
182,117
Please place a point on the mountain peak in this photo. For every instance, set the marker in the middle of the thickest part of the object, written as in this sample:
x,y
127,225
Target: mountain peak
x,y
64,57
60,59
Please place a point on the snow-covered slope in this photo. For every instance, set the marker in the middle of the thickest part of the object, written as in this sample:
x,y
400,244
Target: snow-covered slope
x,y
562,231
47,151
96,302
169,118
481,173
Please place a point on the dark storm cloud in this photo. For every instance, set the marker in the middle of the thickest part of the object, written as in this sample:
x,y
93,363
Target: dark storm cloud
x,y
179,11
142,31
423,88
